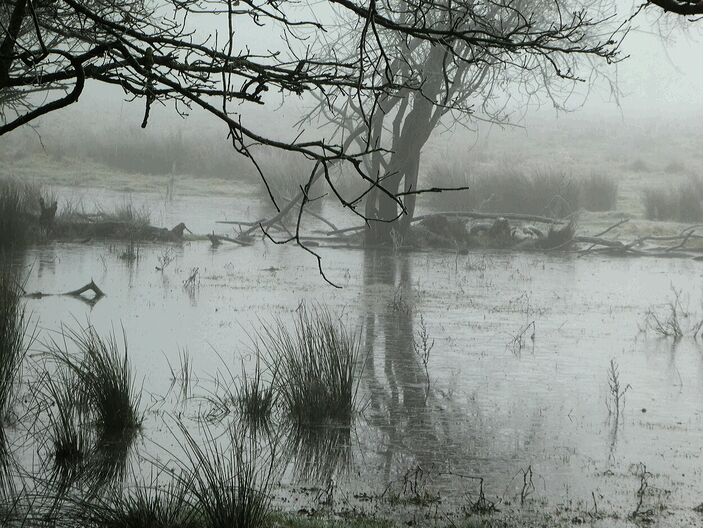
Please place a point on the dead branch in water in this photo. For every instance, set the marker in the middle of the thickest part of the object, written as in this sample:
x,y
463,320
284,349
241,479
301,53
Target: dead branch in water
x,y
491,216
77,294
598,244
617,224
90,286
463,214
216,240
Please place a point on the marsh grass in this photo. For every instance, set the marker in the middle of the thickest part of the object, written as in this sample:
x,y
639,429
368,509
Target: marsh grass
x,y
15,339
615,401
125,213
198,155
228,479
128,213
104,378
19,206
285,173
255,398
314,366
552,193
182,375
598,193
142,506
682,203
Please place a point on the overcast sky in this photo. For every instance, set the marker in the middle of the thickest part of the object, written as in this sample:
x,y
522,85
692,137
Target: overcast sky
x,y
661,79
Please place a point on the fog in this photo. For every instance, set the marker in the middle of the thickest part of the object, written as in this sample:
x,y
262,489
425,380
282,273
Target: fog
x,y
432,281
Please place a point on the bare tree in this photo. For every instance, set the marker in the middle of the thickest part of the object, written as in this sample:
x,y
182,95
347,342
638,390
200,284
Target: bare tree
x,y
458,60
155,52
394,69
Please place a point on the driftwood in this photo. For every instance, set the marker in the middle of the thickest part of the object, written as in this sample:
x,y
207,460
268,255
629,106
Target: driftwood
x,y
216,240
616,247
634,248
92,286
492,216
564,238
462,214
77,294
117,230
273,223
237,222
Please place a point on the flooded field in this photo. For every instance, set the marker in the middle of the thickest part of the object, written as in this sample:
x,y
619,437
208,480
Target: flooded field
x,y
484,377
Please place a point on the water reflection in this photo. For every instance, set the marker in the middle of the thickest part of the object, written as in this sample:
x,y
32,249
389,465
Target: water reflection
x,y
398,405
319,454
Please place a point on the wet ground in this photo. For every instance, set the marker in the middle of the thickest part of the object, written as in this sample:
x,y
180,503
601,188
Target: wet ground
x,y
516,391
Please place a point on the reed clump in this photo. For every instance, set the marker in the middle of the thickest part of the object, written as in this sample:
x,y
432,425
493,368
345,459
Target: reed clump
x,y
315,367
104,379
15,340
19,212
227,480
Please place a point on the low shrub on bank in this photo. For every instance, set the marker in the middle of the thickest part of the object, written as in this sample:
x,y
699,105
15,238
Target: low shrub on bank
x,y
682,202
544,193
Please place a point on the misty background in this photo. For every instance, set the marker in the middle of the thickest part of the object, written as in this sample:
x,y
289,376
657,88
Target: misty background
x,y
657,106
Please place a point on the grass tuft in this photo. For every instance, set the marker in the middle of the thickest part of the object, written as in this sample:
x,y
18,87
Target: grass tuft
x,y
315,373
143,506
227,478
255,399
104,379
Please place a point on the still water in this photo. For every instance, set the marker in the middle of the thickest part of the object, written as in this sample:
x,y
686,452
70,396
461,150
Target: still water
x,y
490,405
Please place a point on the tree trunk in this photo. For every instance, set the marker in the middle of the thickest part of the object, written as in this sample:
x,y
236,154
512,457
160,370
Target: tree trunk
x,y
403,166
